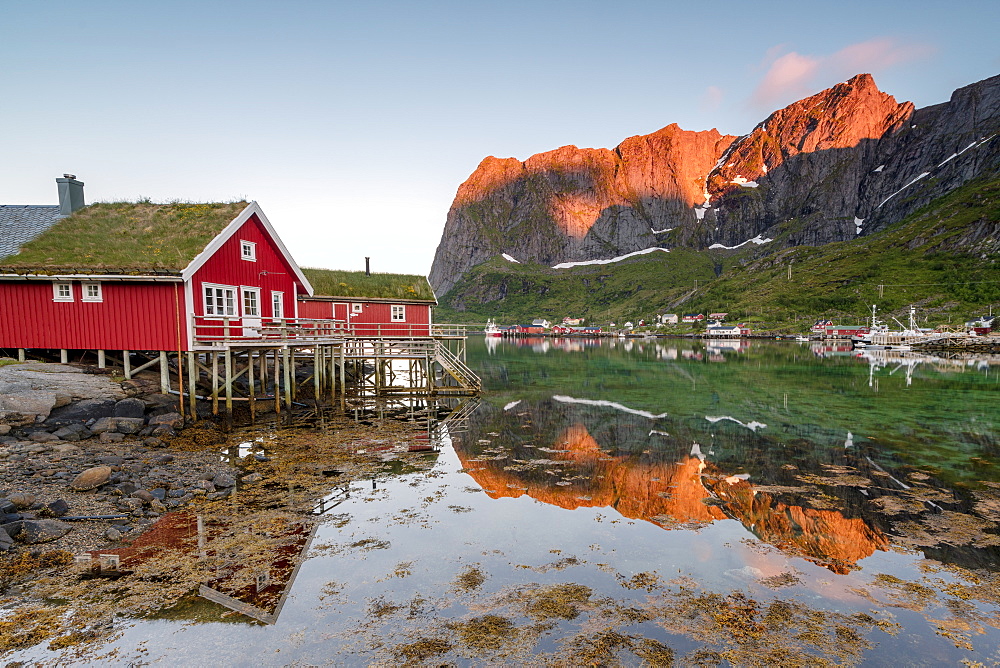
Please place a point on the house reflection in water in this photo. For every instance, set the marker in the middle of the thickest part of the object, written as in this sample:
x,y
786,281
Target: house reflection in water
x,y
687,493
259,593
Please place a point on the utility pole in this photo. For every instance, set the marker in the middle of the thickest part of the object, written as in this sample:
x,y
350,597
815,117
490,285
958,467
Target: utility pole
x,y
790,269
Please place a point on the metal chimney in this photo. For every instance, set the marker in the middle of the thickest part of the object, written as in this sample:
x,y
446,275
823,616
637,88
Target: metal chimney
x,y
368,266
70,194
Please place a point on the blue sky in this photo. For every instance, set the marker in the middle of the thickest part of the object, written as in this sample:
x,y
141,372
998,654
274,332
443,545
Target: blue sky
x,y
353,123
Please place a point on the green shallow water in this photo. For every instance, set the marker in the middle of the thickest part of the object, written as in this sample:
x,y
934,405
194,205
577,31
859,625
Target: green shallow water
x,y
641,502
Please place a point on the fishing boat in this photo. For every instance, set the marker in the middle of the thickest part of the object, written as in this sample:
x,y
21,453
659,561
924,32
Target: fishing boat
x,y
864,339
492,329
901,340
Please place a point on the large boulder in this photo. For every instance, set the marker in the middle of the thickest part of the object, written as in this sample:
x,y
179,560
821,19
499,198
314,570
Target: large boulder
x,y
172,420
33,532
82,411
91,478
72,432
122,425
39,402
16,418
130,408
5,541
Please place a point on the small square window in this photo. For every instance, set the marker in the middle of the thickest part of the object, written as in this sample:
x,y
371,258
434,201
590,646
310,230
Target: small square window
x,y
62,292
398,313
248,250
357,307
92,292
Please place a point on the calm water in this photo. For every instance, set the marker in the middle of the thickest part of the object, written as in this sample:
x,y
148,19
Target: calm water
x,y
629,502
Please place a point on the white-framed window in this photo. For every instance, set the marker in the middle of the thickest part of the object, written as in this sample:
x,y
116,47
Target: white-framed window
x,y
92,292
277,305
62,292
220,300
398,313
248,250
251,302
357,307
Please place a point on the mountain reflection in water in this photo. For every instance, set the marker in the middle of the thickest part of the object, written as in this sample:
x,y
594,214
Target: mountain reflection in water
x,y
669,488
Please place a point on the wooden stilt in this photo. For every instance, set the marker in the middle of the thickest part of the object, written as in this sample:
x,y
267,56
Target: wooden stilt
x,y
277,385
20,355
229,383
64,356
289,362
215,382
253,392
317,373
127,364
192,386
333,375
343,374
101,361
164,373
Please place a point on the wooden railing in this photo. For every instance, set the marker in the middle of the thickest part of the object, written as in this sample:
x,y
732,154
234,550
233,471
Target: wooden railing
x,y
210,329
445,329
214,330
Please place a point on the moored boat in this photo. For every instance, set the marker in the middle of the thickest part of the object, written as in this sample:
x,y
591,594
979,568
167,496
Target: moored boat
x,y
492,329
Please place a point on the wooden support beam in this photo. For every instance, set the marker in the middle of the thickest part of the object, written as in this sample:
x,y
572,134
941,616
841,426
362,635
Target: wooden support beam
x,y
253,392
288,376
101,362
64,356
277,385
192,384
343,374
215,382
164,373
229,383
20,355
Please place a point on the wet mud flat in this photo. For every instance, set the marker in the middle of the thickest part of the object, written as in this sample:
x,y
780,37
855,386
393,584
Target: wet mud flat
x,y
228,514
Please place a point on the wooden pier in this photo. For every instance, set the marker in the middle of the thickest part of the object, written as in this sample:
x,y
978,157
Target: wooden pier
x,y
273,366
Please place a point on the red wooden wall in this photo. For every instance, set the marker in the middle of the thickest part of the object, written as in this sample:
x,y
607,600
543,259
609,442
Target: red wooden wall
x,y
133,316
269,272
375,318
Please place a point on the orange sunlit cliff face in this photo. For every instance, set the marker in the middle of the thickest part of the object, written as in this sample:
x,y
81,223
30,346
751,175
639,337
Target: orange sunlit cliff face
x,y
674,493
840,117
577,185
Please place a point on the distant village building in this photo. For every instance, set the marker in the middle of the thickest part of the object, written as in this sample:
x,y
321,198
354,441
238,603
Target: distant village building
x,y
572,322
720,331
693,317
668,319
717,316
541,322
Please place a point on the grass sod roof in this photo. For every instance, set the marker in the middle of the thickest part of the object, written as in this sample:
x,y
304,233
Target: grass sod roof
x,y
336,283
130,237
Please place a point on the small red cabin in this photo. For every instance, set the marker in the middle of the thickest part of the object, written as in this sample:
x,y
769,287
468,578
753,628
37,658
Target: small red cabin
x,y
396,305
141,276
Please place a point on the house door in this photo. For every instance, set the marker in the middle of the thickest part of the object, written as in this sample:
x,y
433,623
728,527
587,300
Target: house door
x,y
251,311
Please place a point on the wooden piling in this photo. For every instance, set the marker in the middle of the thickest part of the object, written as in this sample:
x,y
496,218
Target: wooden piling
x,y
215,382
229,383
164,373
192,385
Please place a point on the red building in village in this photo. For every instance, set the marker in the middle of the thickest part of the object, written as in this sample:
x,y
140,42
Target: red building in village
x,y
140,277
396,305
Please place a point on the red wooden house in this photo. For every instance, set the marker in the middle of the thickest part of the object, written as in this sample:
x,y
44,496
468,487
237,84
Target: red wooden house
x,y
141,276
396,305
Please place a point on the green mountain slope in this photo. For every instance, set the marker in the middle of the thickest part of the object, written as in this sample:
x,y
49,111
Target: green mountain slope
x,y
943,258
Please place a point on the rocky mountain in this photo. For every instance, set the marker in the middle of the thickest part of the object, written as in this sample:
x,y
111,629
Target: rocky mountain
x,y
840,164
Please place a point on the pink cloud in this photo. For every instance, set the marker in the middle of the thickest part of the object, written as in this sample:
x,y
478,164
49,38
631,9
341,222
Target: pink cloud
x,y
711,99
792,76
